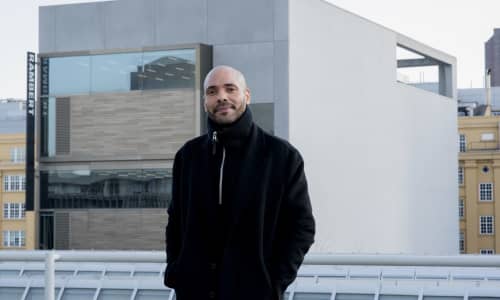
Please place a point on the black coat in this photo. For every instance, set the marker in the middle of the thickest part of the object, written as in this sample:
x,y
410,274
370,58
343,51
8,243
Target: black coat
x,y
251,245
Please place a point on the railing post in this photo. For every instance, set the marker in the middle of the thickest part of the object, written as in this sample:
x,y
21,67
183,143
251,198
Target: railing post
x,y
50,274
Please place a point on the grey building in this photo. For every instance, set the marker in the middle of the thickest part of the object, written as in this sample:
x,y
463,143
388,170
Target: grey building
x,y
121,92
492,57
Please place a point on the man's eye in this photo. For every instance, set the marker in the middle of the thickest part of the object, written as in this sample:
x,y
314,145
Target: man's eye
x,y
210,92
230,89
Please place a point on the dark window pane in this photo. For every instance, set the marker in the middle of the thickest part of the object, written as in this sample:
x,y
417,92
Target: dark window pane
x,y
174,69
148,188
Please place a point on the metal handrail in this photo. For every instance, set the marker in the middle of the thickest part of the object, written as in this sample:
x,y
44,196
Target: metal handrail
x,y
51,256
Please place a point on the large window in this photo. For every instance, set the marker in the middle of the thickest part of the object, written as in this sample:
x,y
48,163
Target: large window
x,y
14,210
13,238
485,192
137,188
118,72
486,225
14,183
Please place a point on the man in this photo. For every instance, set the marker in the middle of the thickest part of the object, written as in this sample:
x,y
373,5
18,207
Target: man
x,y
240,219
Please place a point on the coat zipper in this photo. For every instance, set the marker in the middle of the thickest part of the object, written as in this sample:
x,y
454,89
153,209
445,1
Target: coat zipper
x,y
221,172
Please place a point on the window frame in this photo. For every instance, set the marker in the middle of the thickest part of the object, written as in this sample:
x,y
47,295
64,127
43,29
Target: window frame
x,y
461,175
486,221
462,143
481,199
461,208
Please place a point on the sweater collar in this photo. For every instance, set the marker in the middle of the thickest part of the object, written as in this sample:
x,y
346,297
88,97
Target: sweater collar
x,y
233,134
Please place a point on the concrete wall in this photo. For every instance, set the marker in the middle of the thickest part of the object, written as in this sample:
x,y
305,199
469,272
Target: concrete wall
x,y
250,35
386,180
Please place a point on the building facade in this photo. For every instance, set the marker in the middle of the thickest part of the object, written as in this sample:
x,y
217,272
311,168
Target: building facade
x,y
492,57
120,92
17,226
479,183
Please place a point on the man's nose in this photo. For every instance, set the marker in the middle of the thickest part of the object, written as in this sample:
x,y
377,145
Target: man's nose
x,y
222,96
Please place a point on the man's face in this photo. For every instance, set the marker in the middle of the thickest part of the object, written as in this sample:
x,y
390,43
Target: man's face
x,y
226,97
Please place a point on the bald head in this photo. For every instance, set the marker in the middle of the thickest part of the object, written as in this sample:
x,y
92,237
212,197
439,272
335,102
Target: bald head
x,y
226,94
235,74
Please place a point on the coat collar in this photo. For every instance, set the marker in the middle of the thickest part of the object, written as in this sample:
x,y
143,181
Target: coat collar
x,y
234,134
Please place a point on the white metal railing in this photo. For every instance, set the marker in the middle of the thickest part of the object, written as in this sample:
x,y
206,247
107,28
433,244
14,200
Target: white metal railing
x,y
50,257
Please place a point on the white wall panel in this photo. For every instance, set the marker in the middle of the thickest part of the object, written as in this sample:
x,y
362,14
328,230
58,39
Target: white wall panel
x,y
380,157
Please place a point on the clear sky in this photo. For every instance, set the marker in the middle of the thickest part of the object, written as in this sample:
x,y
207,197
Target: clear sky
x,y
457,27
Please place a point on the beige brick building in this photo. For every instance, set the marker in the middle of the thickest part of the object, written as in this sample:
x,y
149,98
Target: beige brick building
x,y
479,184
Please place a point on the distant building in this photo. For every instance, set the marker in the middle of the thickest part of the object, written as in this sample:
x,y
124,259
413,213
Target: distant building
x,y
492,57
479,183
17,227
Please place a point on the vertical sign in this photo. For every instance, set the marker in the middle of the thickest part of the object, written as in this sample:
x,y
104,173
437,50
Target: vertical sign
x,y
30,131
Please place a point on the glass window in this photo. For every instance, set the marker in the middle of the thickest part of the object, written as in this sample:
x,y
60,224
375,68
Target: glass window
x,y
115,72
462,143
118,72
486,192
136,188
13,238
69,75
17,155
487,251
171,69
460,175
486,224
6,183
461,208
461,242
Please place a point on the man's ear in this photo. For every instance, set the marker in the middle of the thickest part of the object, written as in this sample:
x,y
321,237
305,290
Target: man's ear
x,y
247,96
205,104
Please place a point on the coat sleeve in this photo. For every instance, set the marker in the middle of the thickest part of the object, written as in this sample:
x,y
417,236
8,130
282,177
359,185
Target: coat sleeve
x,y
296,225
173,236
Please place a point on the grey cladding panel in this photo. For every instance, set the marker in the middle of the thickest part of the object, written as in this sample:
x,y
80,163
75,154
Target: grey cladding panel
x,y
240,21
62,233
281,89
256,63
181,21
63,124
129,23
263,115
280,20
79,27
46,27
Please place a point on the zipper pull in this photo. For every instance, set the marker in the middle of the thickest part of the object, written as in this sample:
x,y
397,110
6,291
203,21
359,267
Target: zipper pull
x,y
214,141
